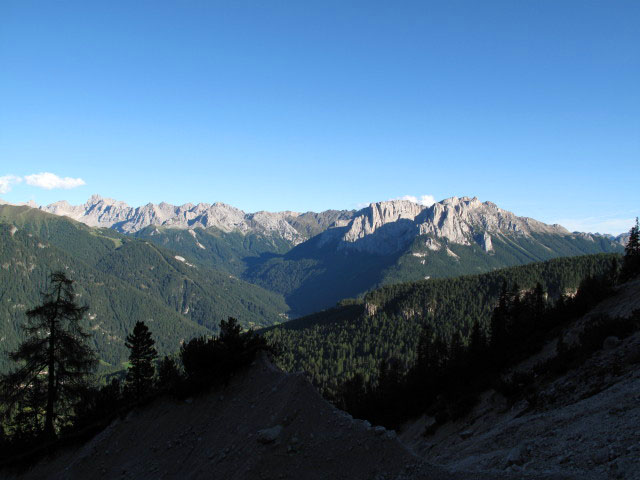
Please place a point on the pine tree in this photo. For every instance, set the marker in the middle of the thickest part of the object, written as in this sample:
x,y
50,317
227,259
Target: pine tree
x,y
424,350
457,351
168,374
631,262
539,301
477,347
499,325
54,359
352,396
140,374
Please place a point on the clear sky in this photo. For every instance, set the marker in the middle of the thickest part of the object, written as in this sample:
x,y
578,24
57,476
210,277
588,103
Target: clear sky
x,y
310,105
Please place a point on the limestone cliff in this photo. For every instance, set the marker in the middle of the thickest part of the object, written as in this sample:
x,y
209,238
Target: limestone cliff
x,y
388,227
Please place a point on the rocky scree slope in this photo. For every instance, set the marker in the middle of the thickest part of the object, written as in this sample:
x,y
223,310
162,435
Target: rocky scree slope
x,y
264,425
584,422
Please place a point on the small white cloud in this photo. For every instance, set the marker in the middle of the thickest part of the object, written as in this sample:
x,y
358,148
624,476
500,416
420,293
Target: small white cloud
x,y
613,226
50,181
426,200
7,181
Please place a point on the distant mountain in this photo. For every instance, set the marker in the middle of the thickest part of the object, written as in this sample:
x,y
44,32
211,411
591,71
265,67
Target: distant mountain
x,y
398,241
291,227
316,259
389,227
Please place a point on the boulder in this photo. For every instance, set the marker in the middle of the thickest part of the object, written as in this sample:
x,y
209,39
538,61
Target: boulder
x,y
269,435
516,456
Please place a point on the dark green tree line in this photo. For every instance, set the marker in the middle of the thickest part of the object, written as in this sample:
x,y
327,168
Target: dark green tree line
x,y
450,372
354,337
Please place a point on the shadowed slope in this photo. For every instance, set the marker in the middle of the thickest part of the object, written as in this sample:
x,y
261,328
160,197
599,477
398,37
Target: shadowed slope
x,y
219,436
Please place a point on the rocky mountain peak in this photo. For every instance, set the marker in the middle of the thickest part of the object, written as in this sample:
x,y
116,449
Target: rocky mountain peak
x,y
387,227
381,227
99,211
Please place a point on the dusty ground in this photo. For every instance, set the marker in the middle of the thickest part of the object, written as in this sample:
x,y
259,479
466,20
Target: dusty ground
x,y
586,422
217,436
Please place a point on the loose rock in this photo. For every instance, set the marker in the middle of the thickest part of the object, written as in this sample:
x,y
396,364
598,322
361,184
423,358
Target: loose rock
x,y
269,435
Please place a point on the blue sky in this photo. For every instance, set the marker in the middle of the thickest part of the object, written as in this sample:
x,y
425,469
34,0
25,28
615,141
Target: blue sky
x,y
313,105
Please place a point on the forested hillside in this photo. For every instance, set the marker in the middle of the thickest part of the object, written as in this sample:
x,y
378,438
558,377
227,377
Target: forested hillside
x,y
313,276
114,306
202,294
507,251
122,280
232,252
354,337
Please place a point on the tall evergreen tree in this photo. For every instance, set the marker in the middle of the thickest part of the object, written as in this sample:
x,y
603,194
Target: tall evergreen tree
x,y
539,301
477,348
168,374
631,262
54,360
424,354
142,356
499,325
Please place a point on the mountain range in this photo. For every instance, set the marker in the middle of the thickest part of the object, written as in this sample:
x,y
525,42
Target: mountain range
x,y
291,227
455,219
184,268
316,259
